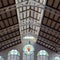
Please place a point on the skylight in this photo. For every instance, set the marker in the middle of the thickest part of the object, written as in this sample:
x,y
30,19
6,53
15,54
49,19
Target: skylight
x,y
30,13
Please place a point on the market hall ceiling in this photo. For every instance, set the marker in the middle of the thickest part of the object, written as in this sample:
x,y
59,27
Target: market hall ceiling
x,y
49,35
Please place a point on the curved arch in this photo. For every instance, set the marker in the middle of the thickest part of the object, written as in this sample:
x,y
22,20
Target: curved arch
x,y
14,52
43,52
56,58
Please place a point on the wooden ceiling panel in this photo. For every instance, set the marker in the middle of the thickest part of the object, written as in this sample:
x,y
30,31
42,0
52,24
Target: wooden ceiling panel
x,y
59,7
7,37
13,12
56,18
15,20
59,19
17,33
46,13
0,4
44,35
5,3
49,22
50,2
47,36
56,3
10,21
3,38
0,17
57,26
59,29
8,14
54,39
6,23
51,15
45,20
3,16
41,33
11,1
2,24
14,34
53,24
4,32
57,35
59,42
8,30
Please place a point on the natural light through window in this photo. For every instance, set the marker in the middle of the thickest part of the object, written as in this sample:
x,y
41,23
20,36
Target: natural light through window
x,y
28,49
13,52
1,58
56,58
30,15
42,53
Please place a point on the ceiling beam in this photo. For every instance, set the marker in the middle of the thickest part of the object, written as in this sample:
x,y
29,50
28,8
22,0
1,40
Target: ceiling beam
x,y
3,10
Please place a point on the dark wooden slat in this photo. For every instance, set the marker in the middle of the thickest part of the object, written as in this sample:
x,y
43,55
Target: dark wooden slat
x,y
52,36
51,27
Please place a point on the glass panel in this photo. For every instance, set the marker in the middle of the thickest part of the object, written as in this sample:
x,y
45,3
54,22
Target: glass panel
x,y
57,58
42,52
13,52
1,58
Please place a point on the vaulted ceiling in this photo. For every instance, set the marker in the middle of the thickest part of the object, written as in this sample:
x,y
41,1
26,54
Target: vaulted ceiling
x,y
49,34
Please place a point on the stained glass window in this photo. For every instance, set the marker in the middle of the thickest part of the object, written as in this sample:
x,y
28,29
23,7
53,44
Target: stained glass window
x,y
28,49
28,52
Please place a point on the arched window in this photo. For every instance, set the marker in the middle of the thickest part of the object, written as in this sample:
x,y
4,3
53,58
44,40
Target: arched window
x,y
56,58
28,52
28,49
14,52
1,58
42,52
42,55
13,55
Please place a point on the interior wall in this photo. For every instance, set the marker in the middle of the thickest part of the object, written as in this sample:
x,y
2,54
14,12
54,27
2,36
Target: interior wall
x,y
37,47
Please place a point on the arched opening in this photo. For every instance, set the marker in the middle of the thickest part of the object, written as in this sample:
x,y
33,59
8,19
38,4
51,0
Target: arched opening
x,y
13,55
42,55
